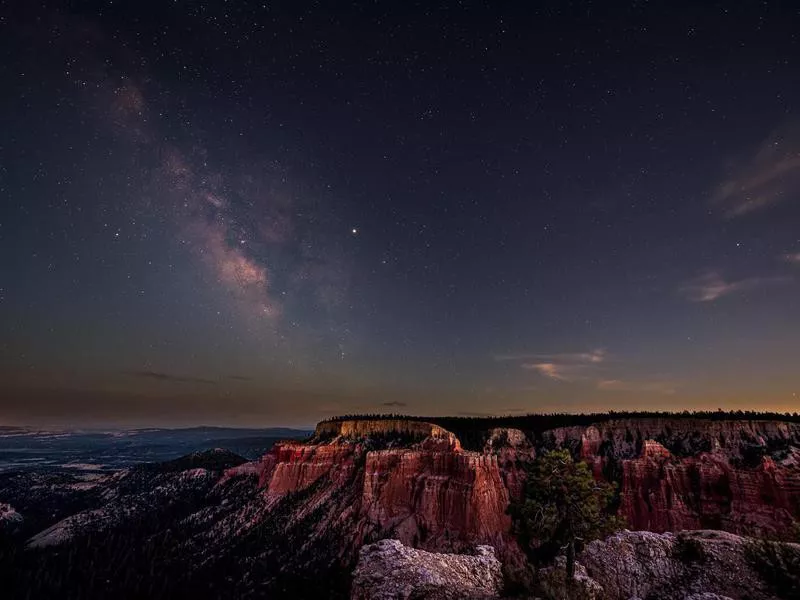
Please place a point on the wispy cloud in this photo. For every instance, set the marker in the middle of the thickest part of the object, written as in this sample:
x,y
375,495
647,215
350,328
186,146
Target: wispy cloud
x,y
769,177
168,377
394,403
712,286
595,356
555,371
588,369
559,366
652,387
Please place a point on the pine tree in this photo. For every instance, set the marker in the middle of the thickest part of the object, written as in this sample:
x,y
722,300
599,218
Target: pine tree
x,y
563,504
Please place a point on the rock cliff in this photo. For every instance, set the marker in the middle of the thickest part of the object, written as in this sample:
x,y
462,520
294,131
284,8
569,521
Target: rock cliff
x,y
414,481
406,479
738,476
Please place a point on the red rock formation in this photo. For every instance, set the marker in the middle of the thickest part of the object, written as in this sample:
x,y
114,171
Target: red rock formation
x,y
514,451
428,493
414,482
429,498
711,487
663,493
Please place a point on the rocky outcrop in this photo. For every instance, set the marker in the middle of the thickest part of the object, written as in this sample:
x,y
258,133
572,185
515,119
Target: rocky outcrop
x,y
661,492
624,438
388,570
690,564
553,584
738,476
407,479
428,498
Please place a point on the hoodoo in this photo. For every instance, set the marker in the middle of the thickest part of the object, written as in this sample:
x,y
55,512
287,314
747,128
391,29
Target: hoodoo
x,y
413,479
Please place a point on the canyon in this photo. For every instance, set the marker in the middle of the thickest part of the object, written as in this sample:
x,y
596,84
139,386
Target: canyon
x,y
421,487
294,521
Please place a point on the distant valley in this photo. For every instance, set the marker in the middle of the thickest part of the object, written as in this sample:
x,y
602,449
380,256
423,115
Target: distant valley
x,y
26,448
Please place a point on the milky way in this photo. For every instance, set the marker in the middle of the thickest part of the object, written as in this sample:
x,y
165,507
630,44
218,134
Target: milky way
x,y
228,220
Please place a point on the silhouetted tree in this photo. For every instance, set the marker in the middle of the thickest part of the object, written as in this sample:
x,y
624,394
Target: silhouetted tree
x,y
563,504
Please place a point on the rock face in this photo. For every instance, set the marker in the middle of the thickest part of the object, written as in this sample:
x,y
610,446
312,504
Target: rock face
x,y
428,498
663,493
413,480
692,564
738,476
388,570
410,480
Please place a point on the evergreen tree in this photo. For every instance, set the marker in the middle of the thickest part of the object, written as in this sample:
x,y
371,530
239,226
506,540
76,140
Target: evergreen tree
x,y
562,505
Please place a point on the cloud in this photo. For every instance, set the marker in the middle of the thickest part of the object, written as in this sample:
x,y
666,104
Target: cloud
x,y
769,177
554,371
652,387
394,403
560,366
167,377
595,356
586,368
712,286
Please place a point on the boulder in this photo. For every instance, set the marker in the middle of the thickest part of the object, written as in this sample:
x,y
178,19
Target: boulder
x,y
388,570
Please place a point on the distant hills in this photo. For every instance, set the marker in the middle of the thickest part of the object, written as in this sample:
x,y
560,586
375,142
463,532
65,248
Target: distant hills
x,y
32,448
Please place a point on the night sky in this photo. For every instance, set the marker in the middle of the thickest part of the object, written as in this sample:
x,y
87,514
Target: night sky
x,y
269,213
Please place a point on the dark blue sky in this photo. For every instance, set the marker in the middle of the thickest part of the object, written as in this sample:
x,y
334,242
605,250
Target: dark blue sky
x,y
274,212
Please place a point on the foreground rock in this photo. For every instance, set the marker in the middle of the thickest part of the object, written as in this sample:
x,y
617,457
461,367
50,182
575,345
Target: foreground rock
x,y
388,570
701,565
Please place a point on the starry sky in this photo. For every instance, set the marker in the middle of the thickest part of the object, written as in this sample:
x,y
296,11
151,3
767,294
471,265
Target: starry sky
x,y
267,213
